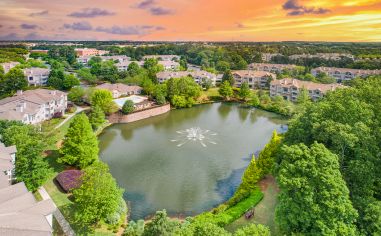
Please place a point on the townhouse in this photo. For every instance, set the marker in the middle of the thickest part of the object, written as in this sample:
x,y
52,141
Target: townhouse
x,y
255,79
268,56
36,76
119,89
344,74
7,66
290,89
198,76
33,106
273,68
120,58
7,164
170,65
325,56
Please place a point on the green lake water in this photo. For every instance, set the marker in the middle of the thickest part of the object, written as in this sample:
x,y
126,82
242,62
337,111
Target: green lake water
x,y
188,160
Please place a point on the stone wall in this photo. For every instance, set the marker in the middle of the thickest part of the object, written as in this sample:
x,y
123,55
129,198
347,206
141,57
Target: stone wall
x,y
139,115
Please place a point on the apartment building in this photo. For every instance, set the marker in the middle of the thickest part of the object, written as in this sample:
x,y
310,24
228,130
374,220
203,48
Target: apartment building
x,y
119,90
21,214
7,164
33,106
36,76
290,89
120,58
7,66
325,56
170,65
268,56
273,68
344,74
198,76
255,79
123,65
89,52
163,57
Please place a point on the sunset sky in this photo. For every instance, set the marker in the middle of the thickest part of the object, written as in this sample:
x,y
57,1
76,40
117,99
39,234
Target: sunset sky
x,y
183,20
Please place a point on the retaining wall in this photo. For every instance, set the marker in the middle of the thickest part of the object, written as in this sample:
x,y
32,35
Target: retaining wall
x,y
138,115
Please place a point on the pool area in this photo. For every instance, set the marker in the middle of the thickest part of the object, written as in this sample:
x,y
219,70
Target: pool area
x,y
134,98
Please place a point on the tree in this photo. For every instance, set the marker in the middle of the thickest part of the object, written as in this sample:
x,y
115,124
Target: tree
x,y
69,81
266,158
228,76
226,90
128,107
97,117
206,84
222,66
253,230
85,74
133,69
254,100
98,197
314,198
251,176
179,101
244,91
80,146
76,95
200,228
30,165
103,98
160,225
14,80
182,92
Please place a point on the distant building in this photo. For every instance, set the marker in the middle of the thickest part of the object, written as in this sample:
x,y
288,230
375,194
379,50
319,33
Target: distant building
x,y
21,214
273,68
163,57
120,58
7,164
268,56
33,106
170,65
123,65
89,52
119,90
255,79
344,74
9,65
39,51
289,89
36,76
325,56
198,76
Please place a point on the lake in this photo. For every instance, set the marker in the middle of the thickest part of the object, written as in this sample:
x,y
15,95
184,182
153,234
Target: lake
x,y
186,161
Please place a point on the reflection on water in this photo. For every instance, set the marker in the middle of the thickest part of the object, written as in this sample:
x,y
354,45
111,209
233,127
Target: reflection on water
x,y
186,180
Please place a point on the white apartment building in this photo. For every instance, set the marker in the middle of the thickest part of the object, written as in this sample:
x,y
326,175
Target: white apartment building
x,y
7,164
290,89
170,65
123,65
33,106
326,56
9,65
268,56
255,79
273,68
120,58
36,76
119,89
163,57
344,74
198,76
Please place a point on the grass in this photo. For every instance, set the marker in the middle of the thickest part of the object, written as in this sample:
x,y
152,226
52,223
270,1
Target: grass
x,y
37,196
211,94
264,211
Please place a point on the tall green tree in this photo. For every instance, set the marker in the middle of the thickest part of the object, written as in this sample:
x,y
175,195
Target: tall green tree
x,y
160,225
14,80
253,230
266,158
97,117
98,196
80,146
251,175
30,166
314,198
103,98
226,90
244,91
76,95
128,107
228,76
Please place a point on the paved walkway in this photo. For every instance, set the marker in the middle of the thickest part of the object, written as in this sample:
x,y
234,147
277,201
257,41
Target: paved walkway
x,y
66,228
78,110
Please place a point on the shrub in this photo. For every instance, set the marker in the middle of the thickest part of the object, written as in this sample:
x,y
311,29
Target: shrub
x,y
69,179
128,107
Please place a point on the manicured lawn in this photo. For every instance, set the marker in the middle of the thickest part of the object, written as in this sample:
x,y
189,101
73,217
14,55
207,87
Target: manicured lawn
x,y
211,94
264,211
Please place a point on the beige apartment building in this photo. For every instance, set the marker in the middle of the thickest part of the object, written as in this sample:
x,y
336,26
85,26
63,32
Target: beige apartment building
x,y
198,76
7,66
255,79
289,89
344,74
33,106
273,68
119,89
7,164
163,57
89,52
